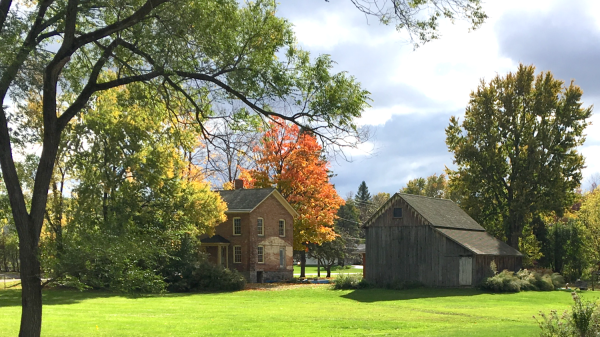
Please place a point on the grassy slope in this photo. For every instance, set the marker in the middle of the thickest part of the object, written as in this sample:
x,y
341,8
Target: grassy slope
x,y
297,311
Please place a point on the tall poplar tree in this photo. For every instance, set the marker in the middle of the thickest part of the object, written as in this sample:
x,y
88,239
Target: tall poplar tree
x,y
516,150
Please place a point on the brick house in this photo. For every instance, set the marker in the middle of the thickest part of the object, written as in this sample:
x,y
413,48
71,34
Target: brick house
x,y
257,237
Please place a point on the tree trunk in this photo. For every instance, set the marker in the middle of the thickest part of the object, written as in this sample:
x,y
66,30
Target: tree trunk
x,y
328,268
318,268
303,263
31,295
515,229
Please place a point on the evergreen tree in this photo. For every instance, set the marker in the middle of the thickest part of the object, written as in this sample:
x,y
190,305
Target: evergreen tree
x,y
363,201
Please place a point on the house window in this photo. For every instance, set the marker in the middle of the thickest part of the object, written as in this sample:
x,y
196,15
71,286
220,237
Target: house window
x,y
282,257
281,227
397,212
260,225
261,254
237,254
237,226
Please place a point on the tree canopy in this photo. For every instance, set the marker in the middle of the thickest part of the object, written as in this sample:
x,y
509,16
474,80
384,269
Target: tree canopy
x,y
433,186
293,162
516,150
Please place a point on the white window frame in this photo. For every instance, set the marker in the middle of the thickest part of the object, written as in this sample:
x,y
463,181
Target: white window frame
x,y
236,255
262,226
280,228
282,262
260,257
237,218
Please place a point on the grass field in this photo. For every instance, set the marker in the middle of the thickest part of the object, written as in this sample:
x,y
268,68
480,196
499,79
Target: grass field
x,y
295,310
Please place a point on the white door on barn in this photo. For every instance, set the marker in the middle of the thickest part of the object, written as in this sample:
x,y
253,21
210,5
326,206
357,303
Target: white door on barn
x,y
465,271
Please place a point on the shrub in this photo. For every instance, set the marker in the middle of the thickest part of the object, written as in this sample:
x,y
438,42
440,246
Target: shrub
x,y
349,281
584,320
524,279
207,276
506,281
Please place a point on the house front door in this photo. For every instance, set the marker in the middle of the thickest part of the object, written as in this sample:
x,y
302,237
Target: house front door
x,y
224,256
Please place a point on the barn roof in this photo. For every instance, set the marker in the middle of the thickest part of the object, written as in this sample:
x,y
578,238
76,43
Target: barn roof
x,y
442,213
246,200
480,243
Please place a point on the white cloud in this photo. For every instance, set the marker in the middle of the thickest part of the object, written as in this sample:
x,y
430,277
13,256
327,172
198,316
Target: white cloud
x,y
422,88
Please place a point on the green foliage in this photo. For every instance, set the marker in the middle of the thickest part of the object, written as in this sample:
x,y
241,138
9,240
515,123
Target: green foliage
x,y
589,215
135,200
564,248
530,246
362,195
433,186
188,270
582,321
516,150
349,281
211,277
508,281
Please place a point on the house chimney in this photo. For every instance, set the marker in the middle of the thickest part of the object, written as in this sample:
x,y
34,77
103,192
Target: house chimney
x,y
238,184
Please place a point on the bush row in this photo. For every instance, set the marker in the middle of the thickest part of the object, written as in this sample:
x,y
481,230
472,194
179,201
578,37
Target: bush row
x,y
508,281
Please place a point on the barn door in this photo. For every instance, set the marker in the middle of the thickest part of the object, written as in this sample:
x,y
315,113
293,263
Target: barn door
x,y
465,271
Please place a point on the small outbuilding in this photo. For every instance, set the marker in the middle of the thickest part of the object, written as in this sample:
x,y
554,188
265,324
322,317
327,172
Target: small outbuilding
x,y
432,241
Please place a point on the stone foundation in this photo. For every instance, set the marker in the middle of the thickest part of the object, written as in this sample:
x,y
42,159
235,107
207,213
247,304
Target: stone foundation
x,y
268,276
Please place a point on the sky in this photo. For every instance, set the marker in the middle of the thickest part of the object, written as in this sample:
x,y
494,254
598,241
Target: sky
x,y
415,92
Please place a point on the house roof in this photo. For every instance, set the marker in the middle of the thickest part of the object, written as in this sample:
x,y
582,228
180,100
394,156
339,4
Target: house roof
x,y
480,243
214,239
246,200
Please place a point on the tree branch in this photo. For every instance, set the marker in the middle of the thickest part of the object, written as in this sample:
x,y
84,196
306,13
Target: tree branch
x,y
4,8
133,19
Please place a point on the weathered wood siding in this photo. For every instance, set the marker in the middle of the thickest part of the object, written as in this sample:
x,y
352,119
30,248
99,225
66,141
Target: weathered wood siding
x,y
409,216
482,265
412,253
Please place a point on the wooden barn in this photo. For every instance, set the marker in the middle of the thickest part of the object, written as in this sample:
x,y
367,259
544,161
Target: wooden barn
x,y
431,241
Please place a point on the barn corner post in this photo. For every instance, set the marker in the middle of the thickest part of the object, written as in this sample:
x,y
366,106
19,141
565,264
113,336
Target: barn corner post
x,y
364,265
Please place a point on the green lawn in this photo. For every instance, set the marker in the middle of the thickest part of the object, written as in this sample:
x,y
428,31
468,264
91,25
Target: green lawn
x,y
312,271
289,311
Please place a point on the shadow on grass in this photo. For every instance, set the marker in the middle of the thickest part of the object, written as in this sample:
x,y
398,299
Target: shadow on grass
x,y
12,297
379,295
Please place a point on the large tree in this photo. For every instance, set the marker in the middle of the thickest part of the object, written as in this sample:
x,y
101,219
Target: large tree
x,y
204,52
198,54
516,150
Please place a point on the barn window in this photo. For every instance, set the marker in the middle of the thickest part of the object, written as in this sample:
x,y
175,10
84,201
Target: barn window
x,y
237,226
397,212
260,227
237,254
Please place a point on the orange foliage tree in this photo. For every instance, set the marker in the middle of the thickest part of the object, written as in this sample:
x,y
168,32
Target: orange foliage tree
x,y
293,162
